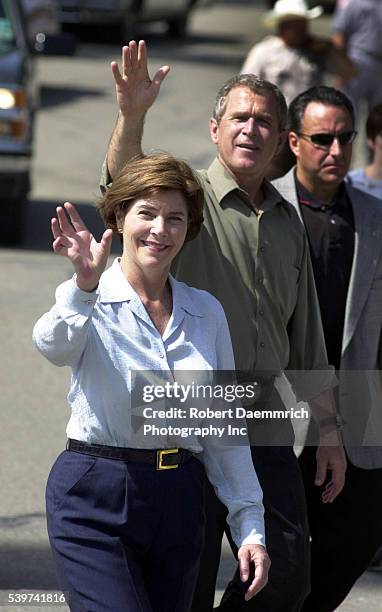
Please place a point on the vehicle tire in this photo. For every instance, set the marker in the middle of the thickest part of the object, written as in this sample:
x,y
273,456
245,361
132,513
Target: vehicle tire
x,y
12,219
177,27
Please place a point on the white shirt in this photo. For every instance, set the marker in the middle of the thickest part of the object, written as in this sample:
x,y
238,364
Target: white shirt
x,y
107,336
292,70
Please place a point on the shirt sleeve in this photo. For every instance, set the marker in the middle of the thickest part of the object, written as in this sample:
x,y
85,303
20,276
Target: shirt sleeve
x,y
230,469
61,334
343,20
308,370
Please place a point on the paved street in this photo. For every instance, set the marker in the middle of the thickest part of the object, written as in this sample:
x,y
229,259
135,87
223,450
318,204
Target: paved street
x,y
76,117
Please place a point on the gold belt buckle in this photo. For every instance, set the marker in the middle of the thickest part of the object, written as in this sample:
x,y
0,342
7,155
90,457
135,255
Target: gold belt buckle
x,y
160,455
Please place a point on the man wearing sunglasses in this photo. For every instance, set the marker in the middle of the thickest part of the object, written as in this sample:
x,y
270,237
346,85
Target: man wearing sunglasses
x,y
344,229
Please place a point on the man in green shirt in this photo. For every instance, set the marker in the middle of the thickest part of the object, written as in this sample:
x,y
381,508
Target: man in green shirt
x,y
252,255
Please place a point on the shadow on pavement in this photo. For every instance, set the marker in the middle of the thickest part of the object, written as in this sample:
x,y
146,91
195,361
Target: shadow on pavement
x,y
27,567
54,95
185,49
19,520
189,51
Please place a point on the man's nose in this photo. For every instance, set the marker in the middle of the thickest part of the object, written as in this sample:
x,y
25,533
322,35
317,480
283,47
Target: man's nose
x,y
250,126
336,147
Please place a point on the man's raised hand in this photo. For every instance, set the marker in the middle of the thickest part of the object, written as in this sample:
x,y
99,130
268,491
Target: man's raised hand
x,y
73,240
135,91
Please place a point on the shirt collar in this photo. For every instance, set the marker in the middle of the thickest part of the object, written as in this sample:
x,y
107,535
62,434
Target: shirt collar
x,y
223,184
306,198
114,287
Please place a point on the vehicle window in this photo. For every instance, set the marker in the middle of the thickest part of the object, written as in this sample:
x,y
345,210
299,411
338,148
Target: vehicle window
x,y
7,34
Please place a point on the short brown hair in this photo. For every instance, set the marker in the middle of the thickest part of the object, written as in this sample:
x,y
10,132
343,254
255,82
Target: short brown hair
x,y
145,176
258,86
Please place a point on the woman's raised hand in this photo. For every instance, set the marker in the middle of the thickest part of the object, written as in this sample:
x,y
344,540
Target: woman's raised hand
x,y
73,240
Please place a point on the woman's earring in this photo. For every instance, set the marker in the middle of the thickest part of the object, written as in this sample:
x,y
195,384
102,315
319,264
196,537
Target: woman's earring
x,y
120,230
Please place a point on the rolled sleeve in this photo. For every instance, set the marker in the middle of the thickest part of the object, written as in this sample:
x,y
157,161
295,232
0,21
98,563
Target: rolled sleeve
x,y
61,334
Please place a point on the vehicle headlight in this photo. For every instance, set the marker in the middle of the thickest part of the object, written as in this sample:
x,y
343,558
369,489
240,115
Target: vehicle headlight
x,y
7,99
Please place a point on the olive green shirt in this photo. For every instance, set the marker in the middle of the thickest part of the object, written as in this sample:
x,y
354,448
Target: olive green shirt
x,y
258,267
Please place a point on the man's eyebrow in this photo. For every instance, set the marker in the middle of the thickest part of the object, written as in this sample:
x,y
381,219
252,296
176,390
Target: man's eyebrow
x,y
255,115
240,113
263,115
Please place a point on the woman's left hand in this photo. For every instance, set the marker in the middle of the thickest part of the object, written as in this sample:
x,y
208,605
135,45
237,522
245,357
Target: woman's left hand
x,y
256,554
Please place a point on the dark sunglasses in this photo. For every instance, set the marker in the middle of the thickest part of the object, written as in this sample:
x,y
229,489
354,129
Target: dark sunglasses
x,y
326,139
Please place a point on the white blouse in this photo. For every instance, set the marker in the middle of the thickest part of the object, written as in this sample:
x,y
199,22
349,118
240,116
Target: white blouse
x,y
110,342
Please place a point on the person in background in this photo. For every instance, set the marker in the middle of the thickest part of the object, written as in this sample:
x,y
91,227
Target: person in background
x,y
294,60
357,27
344,230
369,179
125,510
252,255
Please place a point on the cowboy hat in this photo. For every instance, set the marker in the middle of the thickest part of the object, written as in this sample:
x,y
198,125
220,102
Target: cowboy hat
x,y
291,9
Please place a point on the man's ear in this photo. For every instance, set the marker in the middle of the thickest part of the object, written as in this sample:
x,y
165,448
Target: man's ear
x,y
214,130
371,144
294,143
282,140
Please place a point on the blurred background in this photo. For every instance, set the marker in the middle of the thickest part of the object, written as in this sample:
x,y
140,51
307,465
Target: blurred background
x,y
57,111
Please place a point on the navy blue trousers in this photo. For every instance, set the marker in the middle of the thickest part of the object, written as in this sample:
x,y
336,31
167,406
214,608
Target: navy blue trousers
x,y
125,537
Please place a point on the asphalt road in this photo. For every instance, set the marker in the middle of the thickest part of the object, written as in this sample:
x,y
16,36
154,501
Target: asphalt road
x,y
74,123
